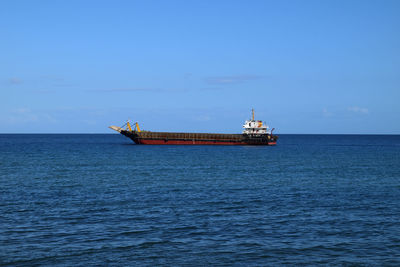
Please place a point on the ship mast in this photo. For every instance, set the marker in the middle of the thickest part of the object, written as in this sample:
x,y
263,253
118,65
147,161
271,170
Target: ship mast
x,y
252,111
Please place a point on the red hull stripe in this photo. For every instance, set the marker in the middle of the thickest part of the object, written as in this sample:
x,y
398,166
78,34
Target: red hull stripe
x,y
192,142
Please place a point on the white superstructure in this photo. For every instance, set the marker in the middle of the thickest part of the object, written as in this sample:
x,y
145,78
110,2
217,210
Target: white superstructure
x,y
254,127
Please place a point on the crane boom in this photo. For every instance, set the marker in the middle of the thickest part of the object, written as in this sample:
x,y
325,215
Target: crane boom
x,y
137,127
128,125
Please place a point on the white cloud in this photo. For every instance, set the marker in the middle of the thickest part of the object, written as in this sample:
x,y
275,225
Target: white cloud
x,y
231,79
360,110
326,112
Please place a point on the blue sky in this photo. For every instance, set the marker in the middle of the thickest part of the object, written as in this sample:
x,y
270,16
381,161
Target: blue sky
x,y
304,66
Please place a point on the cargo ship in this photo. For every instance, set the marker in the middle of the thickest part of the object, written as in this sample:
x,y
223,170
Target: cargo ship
x,y
255,132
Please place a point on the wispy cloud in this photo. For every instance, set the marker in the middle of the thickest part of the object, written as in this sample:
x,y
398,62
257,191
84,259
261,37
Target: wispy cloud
x,y
211,88
360,110
233,79
43,91
326,112
111,90
187,75
20,115
203,118
40,81
27,115
54,80
21,110
14,80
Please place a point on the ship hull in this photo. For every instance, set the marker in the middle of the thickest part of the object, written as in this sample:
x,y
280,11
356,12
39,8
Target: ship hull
x,y
196,142
164,138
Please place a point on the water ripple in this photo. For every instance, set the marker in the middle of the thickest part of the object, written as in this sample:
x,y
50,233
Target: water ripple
x,y
75,200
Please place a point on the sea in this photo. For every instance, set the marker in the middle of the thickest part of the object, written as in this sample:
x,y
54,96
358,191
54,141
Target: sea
x,y
100,200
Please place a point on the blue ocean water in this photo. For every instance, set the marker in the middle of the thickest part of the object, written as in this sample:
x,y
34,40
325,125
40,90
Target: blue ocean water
x,y
78,200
